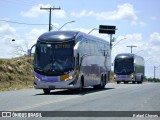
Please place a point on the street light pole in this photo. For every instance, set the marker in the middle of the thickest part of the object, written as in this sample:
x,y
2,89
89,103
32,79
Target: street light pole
x,y
138,51
148,59
92,30
65,24
53,26
118,42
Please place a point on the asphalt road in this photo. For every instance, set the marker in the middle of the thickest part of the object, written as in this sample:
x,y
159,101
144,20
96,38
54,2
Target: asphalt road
x,y
115,97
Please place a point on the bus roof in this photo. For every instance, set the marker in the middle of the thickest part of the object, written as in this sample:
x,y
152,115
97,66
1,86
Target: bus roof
x,y
61,36
57,36
125,55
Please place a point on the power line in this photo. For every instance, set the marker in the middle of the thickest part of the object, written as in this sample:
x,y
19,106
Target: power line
x,y
22,23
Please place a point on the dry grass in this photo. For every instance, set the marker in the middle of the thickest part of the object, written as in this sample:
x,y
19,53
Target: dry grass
x,y
16,73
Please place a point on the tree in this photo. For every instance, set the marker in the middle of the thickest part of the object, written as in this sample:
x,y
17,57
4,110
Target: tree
x,y
20,50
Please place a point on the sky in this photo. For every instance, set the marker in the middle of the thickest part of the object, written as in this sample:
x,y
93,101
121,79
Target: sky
x,y
137,23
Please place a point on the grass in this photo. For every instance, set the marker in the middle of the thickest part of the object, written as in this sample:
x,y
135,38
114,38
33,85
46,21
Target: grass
x,y
16,73
15,85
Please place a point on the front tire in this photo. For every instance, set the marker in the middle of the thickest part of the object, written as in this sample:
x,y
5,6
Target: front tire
x,y
80,89
118,82
125,82
101,85
46,91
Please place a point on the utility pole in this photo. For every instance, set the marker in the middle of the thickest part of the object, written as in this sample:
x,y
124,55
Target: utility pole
x,y
131,47
50,10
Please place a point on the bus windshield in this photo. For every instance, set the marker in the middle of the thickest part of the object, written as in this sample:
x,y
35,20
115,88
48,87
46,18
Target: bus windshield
x,y
124,66
54,58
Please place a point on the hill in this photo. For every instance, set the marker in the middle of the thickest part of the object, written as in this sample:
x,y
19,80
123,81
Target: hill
x,y
16,73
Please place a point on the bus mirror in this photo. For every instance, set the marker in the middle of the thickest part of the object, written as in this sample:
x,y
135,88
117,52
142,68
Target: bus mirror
x,y
112,64
29,52
75,53
76,49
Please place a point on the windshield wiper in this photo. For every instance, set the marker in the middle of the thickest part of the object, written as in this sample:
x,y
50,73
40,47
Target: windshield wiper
x,y
48,68
38,68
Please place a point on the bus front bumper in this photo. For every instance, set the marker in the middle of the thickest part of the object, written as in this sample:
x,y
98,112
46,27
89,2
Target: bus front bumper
x,y
54,85
124,79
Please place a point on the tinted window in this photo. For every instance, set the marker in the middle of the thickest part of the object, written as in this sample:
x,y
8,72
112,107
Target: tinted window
x,y
124,66
54,58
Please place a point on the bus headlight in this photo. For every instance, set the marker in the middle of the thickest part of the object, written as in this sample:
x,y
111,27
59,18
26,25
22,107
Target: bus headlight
x,y
65,77
130,76
35,77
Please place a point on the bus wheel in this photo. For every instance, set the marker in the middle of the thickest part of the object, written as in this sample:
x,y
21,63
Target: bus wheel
x,y
46,91
102,84
118,82
139,82
133,82
80,89
125,82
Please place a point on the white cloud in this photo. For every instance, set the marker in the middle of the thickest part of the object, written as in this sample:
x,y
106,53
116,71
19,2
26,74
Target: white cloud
x,y
8,47
7,33
155,38
152,46
154,42
134,39
59,14
35,11
32,36
123,12
153,18
6,29
143,24
83,13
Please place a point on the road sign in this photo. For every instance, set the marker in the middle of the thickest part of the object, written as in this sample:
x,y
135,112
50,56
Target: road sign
x,y
107,29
